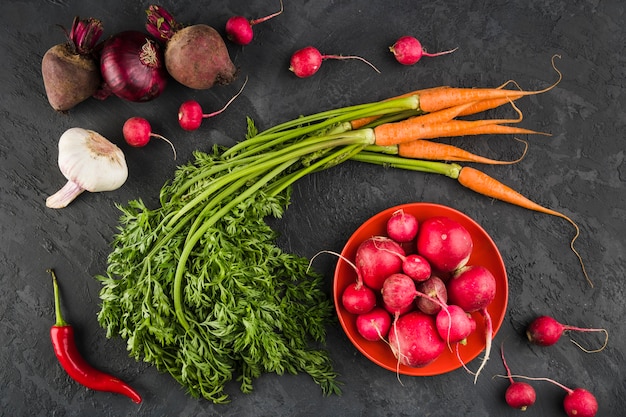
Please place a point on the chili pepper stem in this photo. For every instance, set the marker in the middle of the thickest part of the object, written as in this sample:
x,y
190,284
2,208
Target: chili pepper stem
x,y
57,300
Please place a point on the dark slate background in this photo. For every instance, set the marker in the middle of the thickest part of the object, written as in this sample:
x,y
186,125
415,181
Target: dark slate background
x,y
580,171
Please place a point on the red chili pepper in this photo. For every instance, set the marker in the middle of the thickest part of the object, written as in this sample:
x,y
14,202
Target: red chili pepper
x,y
62,335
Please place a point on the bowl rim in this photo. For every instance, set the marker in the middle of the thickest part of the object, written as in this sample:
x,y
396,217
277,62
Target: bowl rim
x,y
497,309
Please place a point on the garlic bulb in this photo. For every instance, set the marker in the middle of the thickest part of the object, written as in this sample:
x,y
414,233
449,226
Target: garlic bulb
x,y
90,163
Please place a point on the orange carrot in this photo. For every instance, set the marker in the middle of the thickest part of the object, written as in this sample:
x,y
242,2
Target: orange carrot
x,y
483,105
426,149
491,129
483,184
434,100
413,129
358,123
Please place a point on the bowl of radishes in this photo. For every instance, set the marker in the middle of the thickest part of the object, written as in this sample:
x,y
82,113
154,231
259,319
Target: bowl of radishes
x,y
421,289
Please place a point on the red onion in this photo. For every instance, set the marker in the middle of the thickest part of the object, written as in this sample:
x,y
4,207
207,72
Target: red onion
x,y
132,67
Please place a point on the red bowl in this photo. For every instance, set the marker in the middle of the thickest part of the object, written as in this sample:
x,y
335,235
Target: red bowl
x,y
485,253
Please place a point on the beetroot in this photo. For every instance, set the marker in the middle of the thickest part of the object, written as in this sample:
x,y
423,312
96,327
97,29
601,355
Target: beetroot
x,y
414,340
376,259
445,243
70,72
196,56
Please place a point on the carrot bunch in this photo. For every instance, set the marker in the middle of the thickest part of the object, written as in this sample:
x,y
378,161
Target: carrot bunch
x,y
438,116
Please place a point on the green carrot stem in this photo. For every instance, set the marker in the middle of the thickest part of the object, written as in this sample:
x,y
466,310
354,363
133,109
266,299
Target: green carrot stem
x,y
325,120
321,164
434,167
206,225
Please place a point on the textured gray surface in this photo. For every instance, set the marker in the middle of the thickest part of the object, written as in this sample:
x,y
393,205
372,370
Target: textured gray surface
x,y
580,170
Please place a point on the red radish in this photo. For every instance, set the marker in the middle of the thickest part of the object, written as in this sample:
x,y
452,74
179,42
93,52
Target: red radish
x,y
376,259
402,227
398,292
137,132
413,265
70,72
196,56
358,298
546,331
374,325
433,287
417,267
131,63
454,325
578,402
239,29
445,243
414,340
307,61
520,395
473,288
408,50
190,113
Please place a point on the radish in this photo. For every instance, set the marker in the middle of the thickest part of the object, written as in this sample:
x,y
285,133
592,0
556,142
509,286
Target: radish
x,y
137,132
376,259
398,292
520,395
374,325
307,61
195,56
578,402
454,324
69,70
358,298
546,331
416,267
402,227
239,29
473,288
190,113
433,287
408,50
445,243
414,340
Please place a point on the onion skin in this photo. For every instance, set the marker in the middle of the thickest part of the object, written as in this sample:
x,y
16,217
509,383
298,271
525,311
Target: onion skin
x,y
131,64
